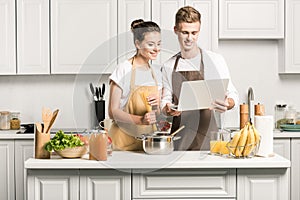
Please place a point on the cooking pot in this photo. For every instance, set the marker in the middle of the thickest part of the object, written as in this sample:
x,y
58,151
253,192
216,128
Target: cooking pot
x,y
159,142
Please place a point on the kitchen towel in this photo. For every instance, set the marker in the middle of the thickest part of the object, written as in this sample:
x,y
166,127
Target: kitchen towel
x,y
264,126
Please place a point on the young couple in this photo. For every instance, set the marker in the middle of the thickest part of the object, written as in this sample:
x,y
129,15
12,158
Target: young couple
x,y
136,87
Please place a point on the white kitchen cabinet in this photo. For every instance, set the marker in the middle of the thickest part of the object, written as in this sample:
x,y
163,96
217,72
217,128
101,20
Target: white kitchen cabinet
x,y
295,169
7,37
251,19
53,184
208,38
130,10
33,55
23,150
282,147
290,47
261,184
189,183
105,184
83,36
7,174
163,13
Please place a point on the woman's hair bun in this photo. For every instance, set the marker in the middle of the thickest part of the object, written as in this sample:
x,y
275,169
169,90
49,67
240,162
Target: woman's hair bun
x,y
136,23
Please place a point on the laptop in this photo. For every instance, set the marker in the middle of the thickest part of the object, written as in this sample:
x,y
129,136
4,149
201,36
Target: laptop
x,y
196,95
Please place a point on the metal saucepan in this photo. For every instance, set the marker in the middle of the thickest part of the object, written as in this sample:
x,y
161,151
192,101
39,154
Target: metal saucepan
x,y
159,142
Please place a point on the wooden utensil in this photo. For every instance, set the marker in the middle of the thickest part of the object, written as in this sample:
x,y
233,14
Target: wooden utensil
x,y
38,127
46,116
175,132
52,120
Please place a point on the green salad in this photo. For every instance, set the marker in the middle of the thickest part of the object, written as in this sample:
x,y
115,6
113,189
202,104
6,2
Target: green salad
x,y
61,141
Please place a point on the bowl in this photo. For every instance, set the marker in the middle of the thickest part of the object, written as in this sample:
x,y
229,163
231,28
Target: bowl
x,y
247,151
74,152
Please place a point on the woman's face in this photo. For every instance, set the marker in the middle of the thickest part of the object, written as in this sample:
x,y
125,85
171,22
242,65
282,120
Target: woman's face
x,y
150,46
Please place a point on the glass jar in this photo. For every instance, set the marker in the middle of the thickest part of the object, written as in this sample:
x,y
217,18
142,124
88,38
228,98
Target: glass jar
x,y
4,120
298,118
290,115
15,121
280,110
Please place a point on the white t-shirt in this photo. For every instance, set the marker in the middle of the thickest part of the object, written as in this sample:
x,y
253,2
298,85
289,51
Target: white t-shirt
x,y
215,67
143,77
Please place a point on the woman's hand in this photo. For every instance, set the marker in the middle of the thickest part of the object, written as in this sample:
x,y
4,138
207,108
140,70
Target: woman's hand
x,y
153,99
149,118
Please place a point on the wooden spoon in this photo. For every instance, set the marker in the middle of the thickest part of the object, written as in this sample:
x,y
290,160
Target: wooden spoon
x,y
52,120
46,116
38,127
175,132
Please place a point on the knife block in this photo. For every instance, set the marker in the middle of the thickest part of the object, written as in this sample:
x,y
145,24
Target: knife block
x,y
100,110
40,140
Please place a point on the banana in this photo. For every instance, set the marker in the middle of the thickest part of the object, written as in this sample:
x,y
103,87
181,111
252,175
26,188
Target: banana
x,y
256,135
234,142
242,141
250,144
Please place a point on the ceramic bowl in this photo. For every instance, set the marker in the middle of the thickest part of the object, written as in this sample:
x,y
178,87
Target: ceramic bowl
x,y
75,152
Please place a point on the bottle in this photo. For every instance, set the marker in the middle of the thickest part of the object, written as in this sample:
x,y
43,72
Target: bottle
x,y
98,146
280,110
4,120
244,115
15,121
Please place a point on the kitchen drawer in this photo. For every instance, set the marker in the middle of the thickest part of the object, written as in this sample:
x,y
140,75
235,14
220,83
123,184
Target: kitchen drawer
x,y
184,183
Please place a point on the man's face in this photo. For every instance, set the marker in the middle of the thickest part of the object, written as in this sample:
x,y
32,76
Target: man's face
x,y
187,35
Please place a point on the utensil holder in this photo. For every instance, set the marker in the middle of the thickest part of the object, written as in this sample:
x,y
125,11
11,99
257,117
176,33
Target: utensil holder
x,y
40,140
100,110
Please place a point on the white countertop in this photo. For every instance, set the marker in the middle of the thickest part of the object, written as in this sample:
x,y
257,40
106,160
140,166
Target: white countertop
x,y
12,134
286,134
177,159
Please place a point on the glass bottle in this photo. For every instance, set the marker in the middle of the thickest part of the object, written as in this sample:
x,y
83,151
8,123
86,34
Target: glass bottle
x,y
15,121
4,120
280,110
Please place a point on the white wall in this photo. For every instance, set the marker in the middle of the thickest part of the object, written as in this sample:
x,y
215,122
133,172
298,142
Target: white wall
x,y
251,62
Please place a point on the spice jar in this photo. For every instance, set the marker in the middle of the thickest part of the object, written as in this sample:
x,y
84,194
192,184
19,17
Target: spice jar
x,y
290,115
298,118
280,110
15,121
4,120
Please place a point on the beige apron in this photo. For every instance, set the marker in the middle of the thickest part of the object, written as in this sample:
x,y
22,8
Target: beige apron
x,y
198,123
123,134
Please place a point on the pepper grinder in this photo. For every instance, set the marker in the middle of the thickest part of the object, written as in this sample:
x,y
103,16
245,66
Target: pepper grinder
x,y
244,115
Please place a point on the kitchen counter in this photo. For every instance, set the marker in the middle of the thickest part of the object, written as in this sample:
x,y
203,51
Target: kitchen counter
x,y
12,134
177,159
286,134
179,175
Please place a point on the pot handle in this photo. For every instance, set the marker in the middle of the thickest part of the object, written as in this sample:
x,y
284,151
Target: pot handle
x,y
176,138
142,137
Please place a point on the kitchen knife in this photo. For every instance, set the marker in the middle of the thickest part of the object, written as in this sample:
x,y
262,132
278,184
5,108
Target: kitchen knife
x,y
100,93
97,94
103,90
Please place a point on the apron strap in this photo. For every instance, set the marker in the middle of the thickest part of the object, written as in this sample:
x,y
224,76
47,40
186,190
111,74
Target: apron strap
x,y
132,80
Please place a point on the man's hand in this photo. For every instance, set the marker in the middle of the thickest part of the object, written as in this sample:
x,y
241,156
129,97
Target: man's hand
x,y
169,111
222,105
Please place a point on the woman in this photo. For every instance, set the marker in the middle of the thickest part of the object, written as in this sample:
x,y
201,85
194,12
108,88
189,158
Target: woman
x,y
135,88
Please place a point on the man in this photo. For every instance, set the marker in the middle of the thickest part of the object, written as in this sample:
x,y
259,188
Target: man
x,y
193,63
